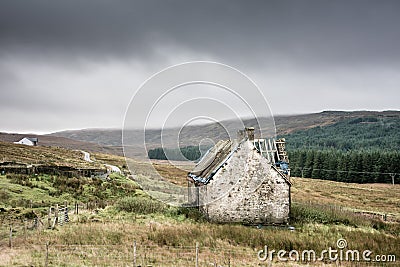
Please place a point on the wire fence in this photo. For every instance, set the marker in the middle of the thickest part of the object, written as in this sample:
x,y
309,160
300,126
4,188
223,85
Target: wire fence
x,y
140,255
57,216
134,254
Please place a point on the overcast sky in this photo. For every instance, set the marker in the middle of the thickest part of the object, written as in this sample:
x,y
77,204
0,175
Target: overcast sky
x,y
76,64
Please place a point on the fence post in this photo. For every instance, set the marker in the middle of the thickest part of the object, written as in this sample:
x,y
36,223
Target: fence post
x,y
47,254
56,213
49,217
134,253
10,239
61,219
197,254
66,216
25,229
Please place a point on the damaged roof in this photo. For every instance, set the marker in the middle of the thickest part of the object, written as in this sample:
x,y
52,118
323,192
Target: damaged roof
x,y
216,157
212,161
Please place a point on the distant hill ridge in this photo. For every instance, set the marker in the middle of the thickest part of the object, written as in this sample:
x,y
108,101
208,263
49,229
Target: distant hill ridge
x,y
64,142
285,125
317,131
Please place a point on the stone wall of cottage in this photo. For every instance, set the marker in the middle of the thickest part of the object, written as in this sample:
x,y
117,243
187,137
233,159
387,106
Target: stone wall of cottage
x,y
247,189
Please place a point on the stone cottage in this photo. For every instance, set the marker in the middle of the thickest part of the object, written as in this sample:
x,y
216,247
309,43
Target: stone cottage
x,y
246,180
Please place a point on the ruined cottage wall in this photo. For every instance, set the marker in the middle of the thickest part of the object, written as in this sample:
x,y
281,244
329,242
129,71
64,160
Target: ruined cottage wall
x,y
246,190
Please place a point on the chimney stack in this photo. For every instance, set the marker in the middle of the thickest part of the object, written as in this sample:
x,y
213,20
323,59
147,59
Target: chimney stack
x,y
250,133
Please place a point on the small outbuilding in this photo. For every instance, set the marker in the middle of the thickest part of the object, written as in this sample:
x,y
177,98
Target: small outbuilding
x,y
245,180
29,141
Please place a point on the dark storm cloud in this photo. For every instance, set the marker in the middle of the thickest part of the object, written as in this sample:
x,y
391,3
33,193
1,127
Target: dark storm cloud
x,y
81,60
309,32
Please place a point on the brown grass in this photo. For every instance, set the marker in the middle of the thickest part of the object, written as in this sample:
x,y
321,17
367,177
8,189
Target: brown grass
x,y
105,237
43,155
164,241
377,198
174,172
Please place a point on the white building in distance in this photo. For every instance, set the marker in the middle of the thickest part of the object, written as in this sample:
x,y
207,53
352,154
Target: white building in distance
x,y
29,141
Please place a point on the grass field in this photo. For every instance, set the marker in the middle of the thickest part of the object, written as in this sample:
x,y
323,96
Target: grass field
x,y
322,212
104,237
43,155
374,198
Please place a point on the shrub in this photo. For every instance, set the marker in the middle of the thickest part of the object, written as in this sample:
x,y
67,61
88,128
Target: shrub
x,y
140,205
4,195
192,213
316,213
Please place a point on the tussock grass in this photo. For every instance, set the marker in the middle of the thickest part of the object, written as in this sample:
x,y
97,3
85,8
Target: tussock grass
x,y
105,236
306,213
163,230
316,213
19,192
378,198
309,236
140,205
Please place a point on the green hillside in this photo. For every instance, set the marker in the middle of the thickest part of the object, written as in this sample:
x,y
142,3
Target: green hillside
x,y
361,150
358,149
115,212
192,135
361,133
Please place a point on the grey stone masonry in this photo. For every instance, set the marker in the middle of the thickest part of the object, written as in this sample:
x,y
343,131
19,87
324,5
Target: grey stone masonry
x,y
247,189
